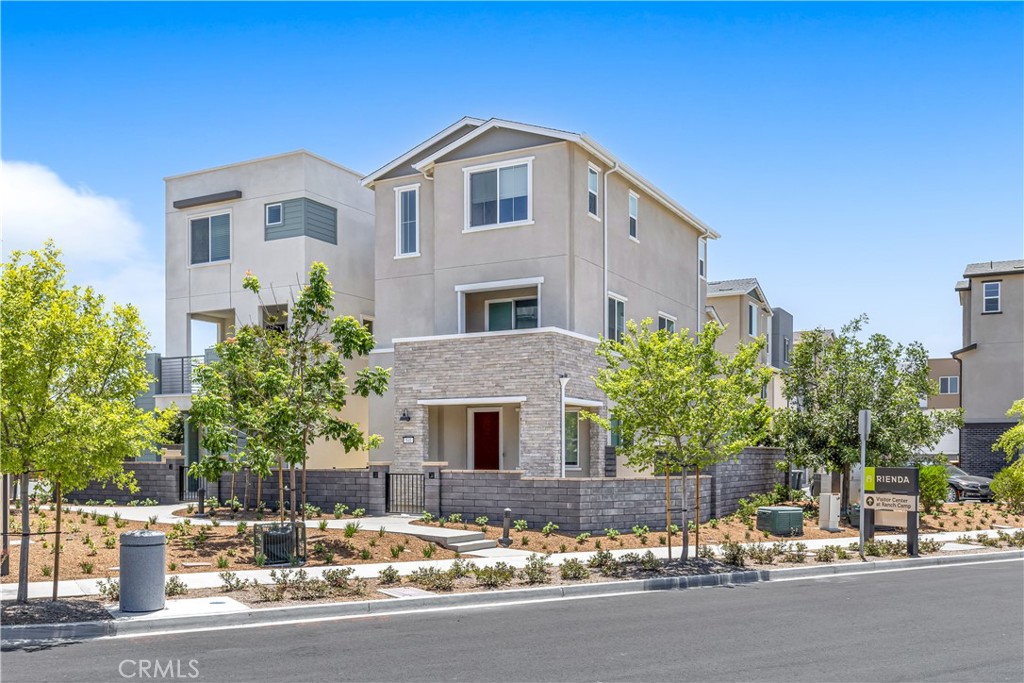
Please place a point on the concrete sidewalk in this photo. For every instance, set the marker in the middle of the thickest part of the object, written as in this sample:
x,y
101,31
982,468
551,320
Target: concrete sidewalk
x,y
513,557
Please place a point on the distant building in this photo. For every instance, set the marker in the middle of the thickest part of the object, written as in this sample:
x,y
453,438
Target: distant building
x,y
945,372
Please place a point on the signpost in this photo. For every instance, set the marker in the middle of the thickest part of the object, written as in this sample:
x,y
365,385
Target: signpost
x,y
863,428
893,488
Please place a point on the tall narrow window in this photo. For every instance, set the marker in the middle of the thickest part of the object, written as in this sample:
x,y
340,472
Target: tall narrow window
x,y
702,257
634,202
407,237
210,238
592,184
785,349
572,438
991,292
752,319
616,318
499,195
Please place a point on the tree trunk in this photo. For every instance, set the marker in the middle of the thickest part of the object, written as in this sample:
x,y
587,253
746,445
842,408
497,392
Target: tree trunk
x,y
696,519
845,493
232,487
23,550
259,491
684,554
245,496
291,479
668,510
304,463
56,543
280,486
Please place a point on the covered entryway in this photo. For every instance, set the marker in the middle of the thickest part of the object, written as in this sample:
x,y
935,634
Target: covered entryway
x,y
484,445
474,433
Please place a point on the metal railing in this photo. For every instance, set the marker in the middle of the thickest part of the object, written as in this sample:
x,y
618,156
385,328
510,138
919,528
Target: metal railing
x,y
176,374
404,493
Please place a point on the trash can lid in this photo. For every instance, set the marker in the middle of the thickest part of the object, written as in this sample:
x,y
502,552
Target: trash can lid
x,y
143,537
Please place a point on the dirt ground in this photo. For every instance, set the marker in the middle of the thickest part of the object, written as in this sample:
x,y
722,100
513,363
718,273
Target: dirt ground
x,y
223,546
45,611
963,516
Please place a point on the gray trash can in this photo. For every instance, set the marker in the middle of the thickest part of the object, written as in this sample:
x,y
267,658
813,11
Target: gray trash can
x,y
143,559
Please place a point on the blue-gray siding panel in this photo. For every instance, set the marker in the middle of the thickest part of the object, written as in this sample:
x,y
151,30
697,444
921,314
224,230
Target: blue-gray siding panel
x,y
292,214
321,222
303,216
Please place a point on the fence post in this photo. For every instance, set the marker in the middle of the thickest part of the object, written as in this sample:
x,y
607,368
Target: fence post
x,y
432,487
375,504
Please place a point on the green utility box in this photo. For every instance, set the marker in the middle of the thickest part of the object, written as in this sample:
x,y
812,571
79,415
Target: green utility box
x,y
780,520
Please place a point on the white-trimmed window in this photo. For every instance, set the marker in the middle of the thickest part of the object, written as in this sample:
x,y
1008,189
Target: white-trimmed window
x,y
274,214
407,221
666,322
752,319
511,314
949,385
572,439
702,258
210,238
499,194
616,317
634,212
991,293
593,181
368,323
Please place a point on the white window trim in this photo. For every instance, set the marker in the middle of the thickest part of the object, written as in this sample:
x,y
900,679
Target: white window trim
x,y
753,313
467,204
398,220
487,311
702,261
231,237
949,379
666,316
596,169
266,213
998,297
565,451
470,428
633,195
624,300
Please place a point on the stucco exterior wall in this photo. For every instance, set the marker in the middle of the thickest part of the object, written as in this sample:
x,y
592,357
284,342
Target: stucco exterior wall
x,y
992,376
943,367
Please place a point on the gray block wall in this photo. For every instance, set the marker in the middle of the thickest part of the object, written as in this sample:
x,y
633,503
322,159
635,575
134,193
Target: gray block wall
x,y
976,454
324,488
575,505
754,471
156,480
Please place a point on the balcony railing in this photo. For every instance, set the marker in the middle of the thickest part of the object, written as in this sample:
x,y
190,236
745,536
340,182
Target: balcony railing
x,y
176,374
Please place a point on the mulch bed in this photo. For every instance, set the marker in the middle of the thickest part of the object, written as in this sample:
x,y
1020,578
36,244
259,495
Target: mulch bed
x,y
45,611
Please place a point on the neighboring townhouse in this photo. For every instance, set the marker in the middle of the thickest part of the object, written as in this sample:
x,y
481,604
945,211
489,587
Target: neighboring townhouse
x,y
781,343
274,217
991,375
742,307
503,252
945,373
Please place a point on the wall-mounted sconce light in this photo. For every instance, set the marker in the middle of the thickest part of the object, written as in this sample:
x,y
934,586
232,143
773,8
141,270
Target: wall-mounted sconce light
x,y
405,416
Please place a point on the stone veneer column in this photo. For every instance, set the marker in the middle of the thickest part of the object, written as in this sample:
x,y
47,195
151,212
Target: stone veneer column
x,y
409,457
375,505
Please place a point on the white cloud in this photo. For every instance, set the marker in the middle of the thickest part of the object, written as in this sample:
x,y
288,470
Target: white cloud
x,y
101,241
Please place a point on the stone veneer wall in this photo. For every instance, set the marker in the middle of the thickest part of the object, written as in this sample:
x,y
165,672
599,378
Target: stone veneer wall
x,y
575,505
754,471
525,364
976,454
156,480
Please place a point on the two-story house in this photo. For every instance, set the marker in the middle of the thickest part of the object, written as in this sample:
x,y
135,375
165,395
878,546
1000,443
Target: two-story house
x,y
743,308
503,252
274,217
991,359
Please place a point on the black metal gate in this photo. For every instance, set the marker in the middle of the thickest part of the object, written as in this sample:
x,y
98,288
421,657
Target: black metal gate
x,y
189,487
404,493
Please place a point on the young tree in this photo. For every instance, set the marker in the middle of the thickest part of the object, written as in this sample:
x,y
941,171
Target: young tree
x,y
1011,441
289,387
70,370
830,380
680,403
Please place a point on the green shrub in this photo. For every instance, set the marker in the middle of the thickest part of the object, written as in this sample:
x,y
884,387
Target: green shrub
x,y
573,570
433,579
222,562
461,568
351,529
86,567
240,528
231,582
934,482
428,550
582,538
339,578
339,510
650,563
175,586
455,518
501,574
795,552
311,510
426,517
322,525
536,569
1008,487
612,534
110,589
520,525
481,522
358,512
260,559
388,575
733,553
47,570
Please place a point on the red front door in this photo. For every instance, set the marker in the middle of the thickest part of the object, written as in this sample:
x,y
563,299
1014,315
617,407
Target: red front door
x,y
486,437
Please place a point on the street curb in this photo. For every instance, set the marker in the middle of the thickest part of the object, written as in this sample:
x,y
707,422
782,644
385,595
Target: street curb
x,y
35,634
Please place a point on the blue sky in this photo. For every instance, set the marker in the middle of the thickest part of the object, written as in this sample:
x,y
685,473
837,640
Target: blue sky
x,y
855,157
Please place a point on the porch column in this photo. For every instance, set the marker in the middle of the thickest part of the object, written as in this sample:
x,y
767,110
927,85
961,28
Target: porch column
x,y
375,504
432,486
411,425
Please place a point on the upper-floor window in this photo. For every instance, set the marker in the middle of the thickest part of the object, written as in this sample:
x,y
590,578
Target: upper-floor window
x,y
616,318
407,222
949,385
991,293
592,186
498,194
666,322
634,204
210,238
785,349
275,214
511,314
752,319
702,257
275,317
368,323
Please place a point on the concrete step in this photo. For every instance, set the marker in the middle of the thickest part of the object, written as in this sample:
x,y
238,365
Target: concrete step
x,y
446,537
470,546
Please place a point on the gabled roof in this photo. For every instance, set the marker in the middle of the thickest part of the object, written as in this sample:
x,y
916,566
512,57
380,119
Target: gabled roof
x,y
712,314
412,154
995,268
581,139
742,286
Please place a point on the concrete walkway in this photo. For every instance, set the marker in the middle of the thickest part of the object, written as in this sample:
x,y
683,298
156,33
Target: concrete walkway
x,y
513,557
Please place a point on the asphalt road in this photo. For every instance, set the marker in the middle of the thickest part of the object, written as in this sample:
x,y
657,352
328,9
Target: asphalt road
x,y
960,623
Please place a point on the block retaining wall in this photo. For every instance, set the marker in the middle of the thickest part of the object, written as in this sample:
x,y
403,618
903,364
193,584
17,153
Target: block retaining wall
x,y
156,480
754,471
